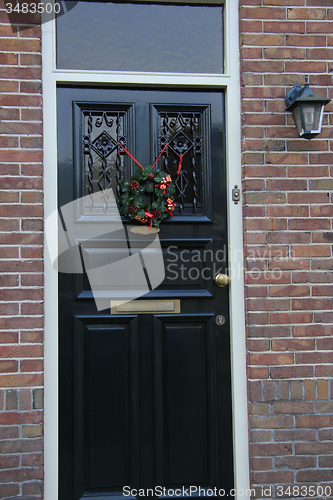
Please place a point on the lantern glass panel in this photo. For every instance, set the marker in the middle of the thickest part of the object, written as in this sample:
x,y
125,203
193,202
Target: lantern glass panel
x,y
297,120
312,116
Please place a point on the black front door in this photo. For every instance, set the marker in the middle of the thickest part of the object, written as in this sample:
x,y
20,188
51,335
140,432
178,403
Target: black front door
x,y
145,399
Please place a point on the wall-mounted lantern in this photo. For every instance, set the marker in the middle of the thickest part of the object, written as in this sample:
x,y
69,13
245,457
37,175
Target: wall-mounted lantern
x,y
307,108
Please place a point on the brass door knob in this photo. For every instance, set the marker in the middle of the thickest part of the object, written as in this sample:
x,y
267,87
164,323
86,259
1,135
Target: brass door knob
x,y
222,280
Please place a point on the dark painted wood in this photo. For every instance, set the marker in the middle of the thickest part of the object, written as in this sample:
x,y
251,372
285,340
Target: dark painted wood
x,y
145,400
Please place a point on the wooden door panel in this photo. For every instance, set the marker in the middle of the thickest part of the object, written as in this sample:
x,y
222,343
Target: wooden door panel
x,y
145,400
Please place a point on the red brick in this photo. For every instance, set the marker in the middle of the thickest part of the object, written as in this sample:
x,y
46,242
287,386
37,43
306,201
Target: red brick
x,y
31,142
293,345
291,317
32,224
311,251
31,365
314,475
321,158
284,53
289,291
261,464
292,263
312,330
272,422
29,337
322,237
258,291
268,305
271,449
264,198
284,27
325,344
8,337
31,114
270,224
9,461
266,171
322,210
307,171
311,304
297,462
249,26
271,359
8,366
259,409
267,278
306,197
258,373
262,119
272,477
325,462
8,490
269,331
296,435
313,67
322,264
324,371
21,322
33,488
255,391
315,421
292,407
324,406
32,459
287,372
23,474
309,224
314,145
305,41
319,27
263,13
306,13
263,39
19,156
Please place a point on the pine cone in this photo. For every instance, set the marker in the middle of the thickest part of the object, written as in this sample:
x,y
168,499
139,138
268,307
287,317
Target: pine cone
x,y
133,208
156,213
134,185
151,177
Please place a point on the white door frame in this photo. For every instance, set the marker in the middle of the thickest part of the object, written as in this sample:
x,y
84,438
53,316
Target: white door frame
x,y
230,83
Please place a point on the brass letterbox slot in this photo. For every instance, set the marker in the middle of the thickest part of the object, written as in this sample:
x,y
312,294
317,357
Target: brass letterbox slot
x,y
145,307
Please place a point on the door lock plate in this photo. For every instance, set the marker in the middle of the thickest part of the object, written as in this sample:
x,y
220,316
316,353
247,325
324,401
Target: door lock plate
x,y
236,194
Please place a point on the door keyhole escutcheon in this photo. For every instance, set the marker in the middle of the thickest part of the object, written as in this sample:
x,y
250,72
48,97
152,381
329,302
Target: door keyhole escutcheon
x,y
220,320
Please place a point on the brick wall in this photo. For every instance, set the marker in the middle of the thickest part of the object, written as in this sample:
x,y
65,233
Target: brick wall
x,y
287,185
288,243
21,265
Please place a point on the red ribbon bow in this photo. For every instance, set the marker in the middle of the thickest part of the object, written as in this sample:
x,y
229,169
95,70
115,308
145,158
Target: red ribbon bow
x,y
149,216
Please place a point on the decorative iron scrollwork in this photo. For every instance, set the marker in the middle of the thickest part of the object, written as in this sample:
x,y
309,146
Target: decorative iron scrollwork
x,y
103,158
182,132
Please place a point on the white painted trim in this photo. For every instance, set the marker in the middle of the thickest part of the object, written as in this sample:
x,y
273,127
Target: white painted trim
x,y
231,83
235,241
51,276
115,78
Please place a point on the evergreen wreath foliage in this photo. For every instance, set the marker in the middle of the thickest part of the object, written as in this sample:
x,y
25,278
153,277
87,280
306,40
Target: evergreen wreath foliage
x,y
148,196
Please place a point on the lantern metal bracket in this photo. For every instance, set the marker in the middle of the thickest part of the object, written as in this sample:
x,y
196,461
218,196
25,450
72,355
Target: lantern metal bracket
x,y
293,94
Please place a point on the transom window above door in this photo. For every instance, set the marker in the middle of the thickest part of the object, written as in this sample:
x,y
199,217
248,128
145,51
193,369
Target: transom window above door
x,y
141,37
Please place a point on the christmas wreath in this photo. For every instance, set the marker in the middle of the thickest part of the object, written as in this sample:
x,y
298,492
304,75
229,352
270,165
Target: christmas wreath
x,y
147,197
